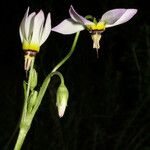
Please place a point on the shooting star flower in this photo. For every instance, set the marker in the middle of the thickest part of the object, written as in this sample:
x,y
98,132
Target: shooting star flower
x,y
34,30
78,23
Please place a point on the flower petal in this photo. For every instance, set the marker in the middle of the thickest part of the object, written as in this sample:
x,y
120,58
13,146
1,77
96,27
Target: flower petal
x,y
68,26
117,16
29,26
77,18
46,30
22,25
37,27
21,32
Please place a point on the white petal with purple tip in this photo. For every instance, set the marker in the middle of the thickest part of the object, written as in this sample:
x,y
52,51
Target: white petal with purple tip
x,y
117,16
111,16
78,18
125,17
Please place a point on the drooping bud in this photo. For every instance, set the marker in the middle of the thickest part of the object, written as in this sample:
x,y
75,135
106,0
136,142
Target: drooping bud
x,y
33,82
62,99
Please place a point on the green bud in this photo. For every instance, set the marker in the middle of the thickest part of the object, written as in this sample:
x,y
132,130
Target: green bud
x,y
32,100
33,81
62,99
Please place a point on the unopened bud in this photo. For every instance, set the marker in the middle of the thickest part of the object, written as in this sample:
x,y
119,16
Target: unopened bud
x,y
62,99
33,82
32,100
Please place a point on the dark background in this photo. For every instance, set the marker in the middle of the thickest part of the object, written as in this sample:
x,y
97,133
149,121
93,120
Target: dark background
x,y
108,107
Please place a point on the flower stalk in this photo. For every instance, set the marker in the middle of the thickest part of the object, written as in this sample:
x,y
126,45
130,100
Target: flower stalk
x,y
48,78
21,138
28,112
26,120
69,54
34,30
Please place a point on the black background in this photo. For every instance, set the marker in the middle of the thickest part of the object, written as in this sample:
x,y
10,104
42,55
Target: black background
x,y
108,107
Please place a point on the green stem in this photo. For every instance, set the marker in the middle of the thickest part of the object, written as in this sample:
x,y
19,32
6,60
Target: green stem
x,y
48,78
24,128
24,123
69,54
27,91
58,74
26,119
21,138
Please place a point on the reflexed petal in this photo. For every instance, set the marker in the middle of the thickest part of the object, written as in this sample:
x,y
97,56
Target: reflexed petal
x,y
37,27
29,25
112,16
68,26
21,34
46,30
77,18
22,25
117,16
125,17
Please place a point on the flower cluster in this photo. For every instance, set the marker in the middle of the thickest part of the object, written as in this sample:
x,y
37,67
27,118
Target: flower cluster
x,y
35,29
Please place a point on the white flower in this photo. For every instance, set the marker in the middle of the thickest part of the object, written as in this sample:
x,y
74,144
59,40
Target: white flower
x,y
109,19
34,30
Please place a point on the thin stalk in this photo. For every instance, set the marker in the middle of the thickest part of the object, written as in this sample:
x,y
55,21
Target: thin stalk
x,y
24,127
27,91
58,74
48,78
27,120
21,138
69,54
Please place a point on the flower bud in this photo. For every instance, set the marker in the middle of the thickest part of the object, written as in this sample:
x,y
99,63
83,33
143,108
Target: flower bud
x,y
33,81
62,99
32,100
